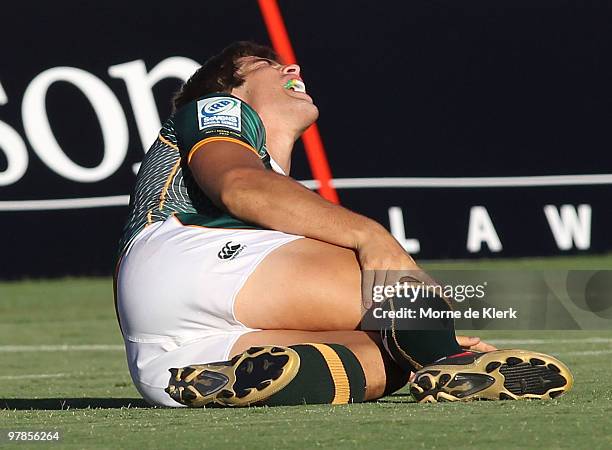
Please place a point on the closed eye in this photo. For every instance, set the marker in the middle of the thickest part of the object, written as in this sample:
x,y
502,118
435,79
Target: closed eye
x,y
266,61
255,62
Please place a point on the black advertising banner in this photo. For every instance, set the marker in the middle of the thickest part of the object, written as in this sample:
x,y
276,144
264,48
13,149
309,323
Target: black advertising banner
x,y
468,129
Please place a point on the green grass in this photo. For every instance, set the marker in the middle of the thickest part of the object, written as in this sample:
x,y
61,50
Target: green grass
x,y
89,397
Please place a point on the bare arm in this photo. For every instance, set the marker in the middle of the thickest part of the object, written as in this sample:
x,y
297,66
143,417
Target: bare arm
x,y
236,181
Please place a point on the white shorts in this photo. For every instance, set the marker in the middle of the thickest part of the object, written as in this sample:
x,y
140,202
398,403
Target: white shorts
x,y
176,288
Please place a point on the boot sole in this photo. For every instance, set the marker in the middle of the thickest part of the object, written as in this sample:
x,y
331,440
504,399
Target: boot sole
x,y
497,375
246,379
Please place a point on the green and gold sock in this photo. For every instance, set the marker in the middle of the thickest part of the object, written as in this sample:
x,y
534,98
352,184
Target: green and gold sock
x,y
328,373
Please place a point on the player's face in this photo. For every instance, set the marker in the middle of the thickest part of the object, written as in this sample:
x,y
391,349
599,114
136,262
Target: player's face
x,y
273,87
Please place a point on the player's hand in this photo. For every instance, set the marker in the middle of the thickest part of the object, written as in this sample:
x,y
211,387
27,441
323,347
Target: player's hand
x,y
383,263
475,344
467,343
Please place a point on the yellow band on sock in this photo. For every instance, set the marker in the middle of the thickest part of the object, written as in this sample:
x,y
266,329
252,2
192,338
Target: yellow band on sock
x,y
341,382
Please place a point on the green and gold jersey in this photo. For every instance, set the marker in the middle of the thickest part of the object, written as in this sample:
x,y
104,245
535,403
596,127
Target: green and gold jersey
x,y
165,185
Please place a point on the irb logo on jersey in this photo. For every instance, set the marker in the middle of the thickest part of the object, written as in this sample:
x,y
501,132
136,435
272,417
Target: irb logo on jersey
x,y
230,250
219,112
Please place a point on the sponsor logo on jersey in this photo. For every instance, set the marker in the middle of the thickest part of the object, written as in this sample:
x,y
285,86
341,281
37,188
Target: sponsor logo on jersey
x,y
219,112
230,250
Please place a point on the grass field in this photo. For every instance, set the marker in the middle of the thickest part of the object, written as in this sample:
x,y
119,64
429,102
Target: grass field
x,y
63,368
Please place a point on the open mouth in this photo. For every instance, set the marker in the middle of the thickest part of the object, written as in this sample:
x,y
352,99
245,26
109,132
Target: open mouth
x,y
295,85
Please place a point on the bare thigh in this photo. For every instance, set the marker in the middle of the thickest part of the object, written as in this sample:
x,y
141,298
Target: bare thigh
x,y
382,376
304,285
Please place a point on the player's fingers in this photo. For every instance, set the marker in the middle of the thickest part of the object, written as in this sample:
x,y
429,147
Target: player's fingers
x,y
367,287
410,283
474,343
484,347
379,284
392,277
468,341
420,276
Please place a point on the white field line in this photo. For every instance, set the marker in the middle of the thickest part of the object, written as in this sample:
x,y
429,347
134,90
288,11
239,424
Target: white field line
x,y
595,340
342,183
63,375
59,348
37,348
33,376
585,353
110,347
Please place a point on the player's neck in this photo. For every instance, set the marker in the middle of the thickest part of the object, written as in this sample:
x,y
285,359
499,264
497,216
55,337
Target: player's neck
x,y
281,134
280,146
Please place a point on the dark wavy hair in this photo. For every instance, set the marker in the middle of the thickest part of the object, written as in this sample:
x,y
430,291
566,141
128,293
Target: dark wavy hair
x,y
219,73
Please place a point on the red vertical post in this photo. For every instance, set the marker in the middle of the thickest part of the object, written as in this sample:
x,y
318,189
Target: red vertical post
x,y
315,151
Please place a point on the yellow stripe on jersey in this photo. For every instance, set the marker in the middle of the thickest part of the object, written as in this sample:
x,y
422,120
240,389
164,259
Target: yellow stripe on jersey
x,y
203,142
338,373
167,142
164,192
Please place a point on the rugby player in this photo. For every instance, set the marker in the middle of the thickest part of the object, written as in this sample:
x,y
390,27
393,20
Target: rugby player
x,y
238,286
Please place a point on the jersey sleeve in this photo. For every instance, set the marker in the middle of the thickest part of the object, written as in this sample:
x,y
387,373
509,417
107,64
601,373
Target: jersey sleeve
x,y
218,117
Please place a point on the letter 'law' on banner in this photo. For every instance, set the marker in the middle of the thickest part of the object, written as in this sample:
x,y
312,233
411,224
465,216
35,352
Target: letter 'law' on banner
x,y
481,230
569,226
396,223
